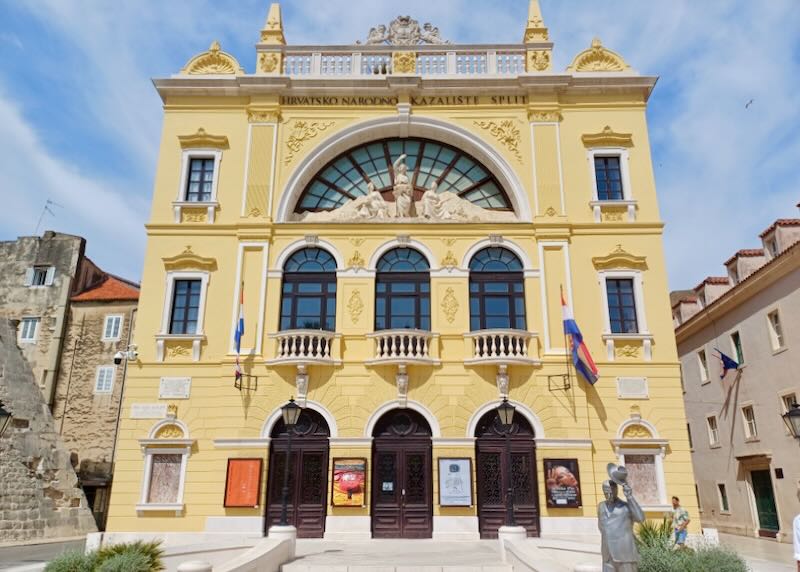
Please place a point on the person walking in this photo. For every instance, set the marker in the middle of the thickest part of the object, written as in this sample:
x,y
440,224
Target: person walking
x,y
680,520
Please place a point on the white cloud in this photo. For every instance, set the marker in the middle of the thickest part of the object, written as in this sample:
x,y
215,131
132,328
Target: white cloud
x,y
108,217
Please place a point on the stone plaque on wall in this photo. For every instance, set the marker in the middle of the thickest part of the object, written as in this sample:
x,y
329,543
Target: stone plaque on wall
x,y
148,410
632,388
175,388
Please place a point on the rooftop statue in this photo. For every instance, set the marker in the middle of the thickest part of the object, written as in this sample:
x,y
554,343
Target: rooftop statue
x,y
404,31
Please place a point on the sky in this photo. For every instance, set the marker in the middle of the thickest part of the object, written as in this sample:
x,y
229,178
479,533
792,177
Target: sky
x,y
80,120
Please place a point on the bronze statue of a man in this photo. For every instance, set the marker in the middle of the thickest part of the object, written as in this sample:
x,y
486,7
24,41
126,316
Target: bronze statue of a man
x,y
615,519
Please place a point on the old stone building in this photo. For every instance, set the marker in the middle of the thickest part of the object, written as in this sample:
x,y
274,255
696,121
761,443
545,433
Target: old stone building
x,y
747,465
87,397
39,493
71,319
38,276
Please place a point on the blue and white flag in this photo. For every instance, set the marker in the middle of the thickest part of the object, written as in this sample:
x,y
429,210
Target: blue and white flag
x,y
727,363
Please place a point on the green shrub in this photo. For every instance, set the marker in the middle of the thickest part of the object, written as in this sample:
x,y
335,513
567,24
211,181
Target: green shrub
x,y
126,562
703,559
74,561
654,535
150,550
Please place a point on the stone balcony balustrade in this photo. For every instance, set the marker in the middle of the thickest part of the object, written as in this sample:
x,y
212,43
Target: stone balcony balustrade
x,y
305,347
444,60
403,346
502,347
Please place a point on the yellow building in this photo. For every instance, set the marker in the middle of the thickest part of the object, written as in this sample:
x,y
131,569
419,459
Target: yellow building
x,y
398,218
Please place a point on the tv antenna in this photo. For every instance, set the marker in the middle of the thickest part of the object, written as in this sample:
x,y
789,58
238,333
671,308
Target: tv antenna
x,y
48,210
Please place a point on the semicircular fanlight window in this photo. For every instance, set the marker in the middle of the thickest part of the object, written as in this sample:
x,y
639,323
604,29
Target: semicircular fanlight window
x,y
348,175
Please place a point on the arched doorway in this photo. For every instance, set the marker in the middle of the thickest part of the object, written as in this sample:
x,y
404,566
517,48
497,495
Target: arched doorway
x,y
506,458
402,476
308,475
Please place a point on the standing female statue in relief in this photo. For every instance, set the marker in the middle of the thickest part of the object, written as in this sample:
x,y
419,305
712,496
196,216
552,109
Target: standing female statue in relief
x,y
402,191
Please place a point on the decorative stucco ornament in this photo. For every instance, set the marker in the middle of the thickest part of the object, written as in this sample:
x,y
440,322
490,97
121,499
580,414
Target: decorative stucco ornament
x,y
213,62
636,431
506,133
355,305
404,31
539,60
404,62
301,132
450,305
171,431
598,59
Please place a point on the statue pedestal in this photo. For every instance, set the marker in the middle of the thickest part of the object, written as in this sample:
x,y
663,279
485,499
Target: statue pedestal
x,y
510,534
289,533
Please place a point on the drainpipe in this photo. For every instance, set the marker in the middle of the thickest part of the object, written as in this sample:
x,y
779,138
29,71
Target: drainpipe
x,y
78,341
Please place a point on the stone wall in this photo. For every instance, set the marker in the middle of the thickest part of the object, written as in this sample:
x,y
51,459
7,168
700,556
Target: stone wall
x,y
48,303
86,420
39,496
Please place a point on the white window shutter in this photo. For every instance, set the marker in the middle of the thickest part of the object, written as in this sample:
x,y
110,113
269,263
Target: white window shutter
x,y
51,272
29,276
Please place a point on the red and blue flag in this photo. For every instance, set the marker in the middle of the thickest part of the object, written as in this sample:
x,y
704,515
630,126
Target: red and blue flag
x,y
237,336
581,358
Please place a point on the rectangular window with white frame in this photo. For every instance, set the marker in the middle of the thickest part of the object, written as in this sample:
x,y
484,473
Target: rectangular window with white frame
x,y
621,306
703,363
29,330
611,183
749,421
713,430
104,380
184,308
199,181
775,330
112,326
164,478
37,276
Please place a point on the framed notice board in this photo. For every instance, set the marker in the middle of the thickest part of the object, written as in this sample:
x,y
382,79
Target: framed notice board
x,y
243,483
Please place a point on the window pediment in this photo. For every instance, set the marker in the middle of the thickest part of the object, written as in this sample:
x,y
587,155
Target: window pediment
x,y
607,138
203,140
188,260
598,59
619,258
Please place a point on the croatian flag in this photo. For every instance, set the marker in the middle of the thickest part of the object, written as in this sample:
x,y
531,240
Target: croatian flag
x,y
237,336
727,363
581,359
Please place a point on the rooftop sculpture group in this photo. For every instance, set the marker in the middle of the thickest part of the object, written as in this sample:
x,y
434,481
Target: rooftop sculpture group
x,y
404,31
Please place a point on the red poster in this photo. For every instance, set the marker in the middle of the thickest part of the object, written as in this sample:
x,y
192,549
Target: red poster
x,y
243,483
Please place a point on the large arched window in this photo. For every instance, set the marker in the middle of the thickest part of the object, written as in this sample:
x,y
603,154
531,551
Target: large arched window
x,y
347,176
496,290
309,291
402,291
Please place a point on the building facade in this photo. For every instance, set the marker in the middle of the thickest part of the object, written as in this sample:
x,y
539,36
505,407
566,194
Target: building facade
x,y
71,319
39,276
395,222
746,461
88,394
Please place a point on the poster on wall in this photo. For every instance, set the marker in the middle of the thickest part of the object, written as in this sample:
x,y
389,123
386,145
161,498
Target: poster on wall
x,y
349,482
455,481
243,483
563,483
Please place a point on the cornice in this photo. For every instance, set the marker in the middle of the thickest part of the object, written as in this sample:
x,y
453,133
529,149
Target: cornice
x,y
788,261
251,85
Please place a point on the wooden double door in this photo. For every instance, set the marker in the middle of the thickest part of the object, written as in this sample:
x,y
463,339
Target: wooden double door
x,y
506,459
308,476
402,490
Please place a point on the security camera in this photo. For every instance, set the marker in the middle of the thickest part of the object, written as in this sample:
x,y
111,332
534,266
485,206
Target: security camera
x,y
118,357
